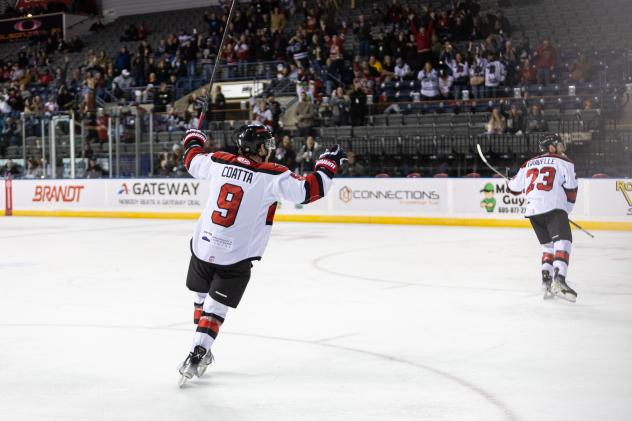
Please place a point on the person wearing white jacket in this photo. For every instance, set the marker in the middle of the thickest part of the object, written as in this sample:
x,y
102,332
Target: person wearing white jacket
x,y
495,73
429,82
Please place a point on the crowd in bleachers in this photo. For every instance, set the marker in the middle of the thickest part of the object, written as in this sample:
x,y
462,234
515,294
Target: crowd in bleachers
x,y
349,67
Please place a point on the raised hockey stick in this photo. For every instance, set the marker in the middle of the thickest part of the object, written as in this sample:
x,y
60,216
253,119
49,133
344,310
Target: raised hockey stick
x,y
217,59
480,153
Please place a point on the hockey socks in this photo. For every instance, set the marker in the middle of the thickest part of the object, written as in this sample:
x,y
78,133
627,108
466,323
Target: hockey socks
x,y
211,319
198,303
561,256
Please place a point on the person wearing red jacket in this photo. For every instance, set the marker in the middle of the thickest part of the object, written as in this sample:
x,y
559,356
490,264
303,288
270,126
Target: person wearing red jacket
x,y
545,59
423,38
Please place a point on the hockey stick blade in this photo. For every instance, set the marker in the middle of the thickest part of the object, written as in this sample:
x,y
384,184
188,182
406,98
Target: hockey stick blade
x,y
480,153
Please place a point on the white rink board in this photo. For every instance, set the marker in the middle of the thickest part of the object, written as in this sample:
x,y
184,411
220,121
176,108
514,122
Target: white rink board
x,y
598,200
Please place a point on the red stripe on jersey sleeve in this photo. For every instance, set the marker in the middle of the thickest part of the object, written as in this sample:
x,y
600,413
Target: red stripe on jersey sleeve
x,y
313,186
192,153
571,195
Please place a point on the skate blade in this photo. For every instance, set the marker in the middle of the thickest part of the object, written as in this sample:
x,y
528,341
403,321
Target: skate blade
x,y
183,380
568,297
201,370
548,295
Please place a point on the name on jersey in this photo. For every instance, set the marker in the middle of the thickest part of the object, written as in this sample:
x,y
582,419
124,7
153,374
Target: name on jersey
x,y
236,173
541,161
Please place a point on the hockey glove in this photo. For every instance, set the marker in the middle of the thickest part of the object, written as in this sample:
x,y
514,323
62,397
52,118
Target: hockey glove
x,y
193,138
331,160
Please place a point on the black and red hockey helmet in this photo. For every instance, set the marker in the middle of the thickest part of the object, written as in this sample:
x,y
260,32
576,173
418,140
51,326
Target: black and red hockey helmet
x,y
251,136
549,139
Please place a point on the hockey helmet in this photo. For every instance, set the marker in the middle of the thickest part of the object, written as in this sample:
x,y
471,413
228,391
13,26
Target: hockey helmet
x,y
549,139
251,136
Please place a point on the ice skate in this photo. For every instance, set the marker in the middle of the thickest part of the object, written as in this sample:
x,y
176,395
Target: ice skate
x,y
206,360
189,367
562,290
547,282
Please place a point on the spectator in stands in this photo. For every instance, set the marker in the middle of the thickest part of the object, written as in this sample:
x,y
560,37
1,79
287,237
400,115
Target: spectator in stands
x,y
123,59
10,168
138,70
163,98
357,104
305,115
219,104
353,167
284,154
494,75
496,123
445,83
339,107
122,83
545,58
429,82
33,169
94,170
581,69
527,72
164,168
477,76
277,21
515,121
275,108
535,119
307,155
402,70
461,74
10,132
261,114
362,29
423,35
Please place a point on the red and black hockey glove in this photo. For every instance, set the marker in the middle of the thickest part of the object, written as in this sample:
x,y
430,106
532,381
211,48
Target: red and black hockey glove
x,y
193,138
331,160
192,145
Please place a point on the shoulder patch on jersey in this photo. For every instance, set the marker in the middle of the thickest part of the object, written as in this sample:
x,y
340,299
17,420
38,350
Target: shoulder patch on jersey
x,y
243,160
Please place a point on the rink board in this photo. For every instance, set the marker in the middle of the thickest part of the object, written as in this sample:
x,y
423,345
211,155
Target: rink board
x,y
601,204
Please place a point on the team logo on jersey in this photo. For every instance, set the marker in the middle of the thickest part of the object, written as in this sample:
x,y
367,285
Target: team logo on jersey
x,y
243,160
124,189
625,187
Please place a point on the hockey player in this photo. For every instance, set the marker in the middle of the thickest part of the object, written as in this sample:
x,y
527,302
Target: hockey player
x,y
550,184
234,227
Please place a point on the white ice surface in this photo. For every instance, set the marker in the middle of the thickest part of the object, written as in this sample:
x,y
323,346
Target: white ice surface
x,y
339,322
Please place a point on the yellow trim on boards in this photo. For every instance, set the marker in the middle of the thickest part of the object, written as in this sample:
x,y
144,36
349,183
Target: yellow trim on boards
x,y
345,219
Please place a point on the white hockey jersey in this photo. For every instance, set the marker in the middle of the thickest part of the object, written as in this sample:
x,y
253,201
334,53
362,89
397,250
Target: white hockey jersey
x,y
236,221
548,181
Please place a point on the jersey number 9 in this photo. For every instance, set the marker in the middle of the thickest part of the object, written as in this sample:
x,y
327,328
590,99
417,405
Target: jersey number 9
x,y
228,201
